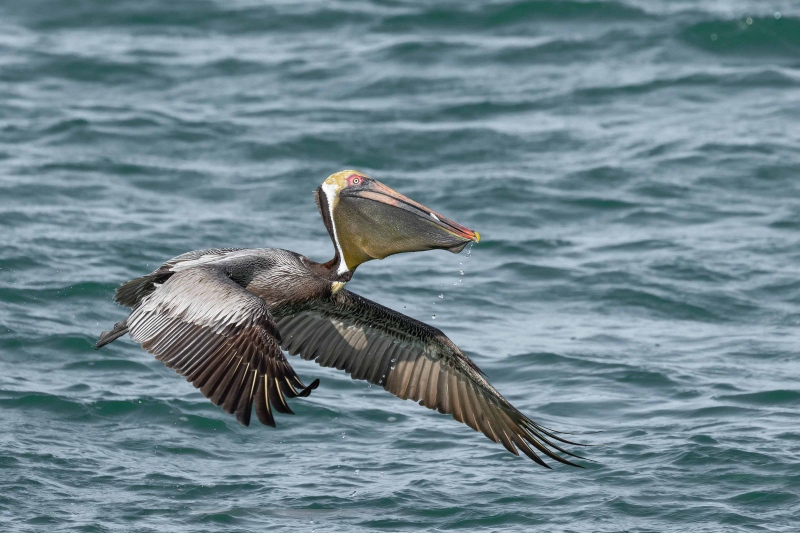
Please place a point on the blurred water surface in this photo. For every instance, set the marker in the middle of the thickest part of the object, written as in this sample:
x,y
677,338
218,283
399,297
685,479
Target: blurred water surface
x,y
632,166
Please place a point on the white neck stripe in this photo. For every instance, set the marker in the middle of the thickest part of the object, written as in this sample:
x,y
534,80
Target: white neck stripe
x,y
331,193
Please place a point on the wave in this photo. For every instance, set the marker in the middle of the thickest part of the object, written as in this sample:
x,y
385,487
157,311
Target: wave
x,y
511,14
637,300
89,289
193,15
753,36
773,397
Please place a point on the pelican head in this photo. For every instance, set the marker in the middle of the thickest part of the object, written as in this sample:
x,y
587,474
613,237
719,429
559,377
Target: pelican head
x,y
367,220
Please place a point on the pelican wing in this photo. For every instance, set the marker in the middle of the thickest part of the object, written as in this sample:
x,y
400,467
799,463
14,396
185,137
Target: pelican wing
x,y
222,338
134,291
412,360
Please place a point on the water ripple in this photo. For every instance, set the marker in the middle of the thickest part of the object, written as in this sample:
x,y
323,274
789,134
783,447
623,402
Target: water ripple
x,y
631,166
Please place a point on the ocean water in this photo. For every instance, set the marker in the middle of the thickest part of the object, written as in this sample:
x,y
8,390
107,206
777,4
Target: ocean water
x,y
633,167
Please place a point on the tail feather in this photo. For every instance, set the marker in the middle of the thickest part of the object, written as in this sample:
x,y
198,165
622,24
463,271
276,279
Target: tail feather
x,y
120,329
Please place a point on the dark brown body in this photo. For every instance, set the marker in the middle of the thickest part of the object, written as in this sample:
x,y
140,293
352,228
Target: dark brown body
x,y
283,279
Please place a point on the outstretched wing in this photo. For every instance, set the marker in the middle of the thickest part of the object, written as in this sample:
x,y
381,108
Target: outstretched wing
x,y
412,360
222,338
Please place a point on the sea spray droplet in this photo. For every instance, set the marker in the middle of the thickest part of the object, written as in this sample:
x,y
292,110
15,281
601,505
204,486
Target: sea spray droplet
x,y
433,317
441,295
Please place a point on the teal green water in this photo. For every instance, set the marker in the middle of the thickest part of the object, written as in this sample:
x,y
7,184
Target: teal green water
x,y
632,166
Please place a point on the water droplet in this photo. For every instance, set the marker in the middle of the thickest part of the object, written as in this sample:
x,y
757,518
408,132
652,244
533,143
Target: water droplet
x,y
713,36
352,494
433,317
394,359
441,295
358,472
342,434
380,474
777,15
749,21
392,418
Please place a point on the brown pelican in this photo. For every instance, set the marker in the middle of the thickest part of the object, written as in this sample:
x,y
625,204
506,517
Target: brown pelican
x,y
222,317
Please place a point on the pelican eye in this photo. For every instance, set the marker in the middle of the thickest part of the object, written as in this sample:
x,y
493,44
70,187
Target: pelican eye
x,y
356,181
